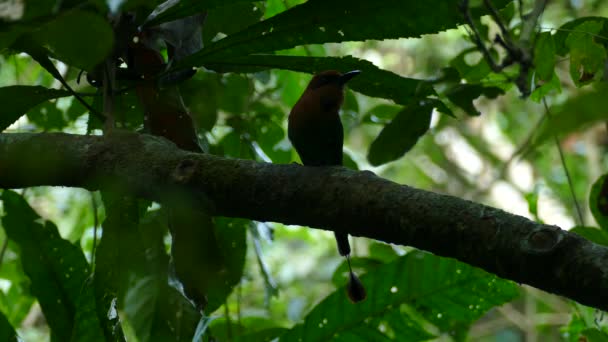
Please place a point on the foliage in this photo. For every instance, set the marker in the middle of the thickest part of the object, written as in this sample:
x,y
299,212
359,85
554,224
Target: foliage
x,y
253,60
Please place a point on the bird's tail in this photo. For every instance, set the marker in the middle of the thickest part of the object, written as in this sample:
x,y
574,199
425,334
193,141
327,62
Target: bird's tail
x,y
355,289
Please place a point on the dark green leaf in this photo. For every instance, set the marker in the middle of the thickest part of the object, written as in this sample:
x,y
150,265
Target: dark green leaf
x,y
373,81
463,95
441,289
235,94
401,134
595,335
221,19
78,38
321,21
230,234
7,332
544,56
17,100
58,271
47,116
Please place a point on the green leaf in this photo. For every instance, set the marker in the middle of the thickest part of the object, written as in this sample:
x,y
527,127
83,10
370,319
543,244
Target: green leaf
x,y
594,335
7,332
58,271
442,290
463,95
47,116
221,19
593,234
230,234
17,100
598,201
471,73
401,134
78,38
372,81
570,27
321,21
544,56
151,305
586,55
546,88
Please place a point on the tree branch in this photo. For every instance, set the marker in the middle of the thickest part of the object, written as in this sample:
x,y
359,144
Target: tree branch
x,y
337,199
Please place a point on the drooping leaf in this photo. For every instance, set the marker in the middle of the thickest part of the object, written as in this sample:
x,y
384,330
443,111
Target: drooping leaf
x,y
151,305
320,21
17,100
401,134
441,290
372,81
58,272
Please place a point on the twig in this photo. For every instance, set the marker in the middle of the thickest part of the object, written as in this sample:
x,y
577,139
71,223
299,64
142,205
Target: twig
x,y
563,160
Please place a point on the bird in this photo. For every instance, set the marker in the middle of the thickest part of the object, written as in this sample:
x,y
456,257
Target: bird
x,y
316,132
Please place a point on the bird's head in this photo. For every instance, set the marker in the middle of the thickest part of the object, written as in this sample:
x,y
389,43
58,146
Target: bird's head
x,y
331,78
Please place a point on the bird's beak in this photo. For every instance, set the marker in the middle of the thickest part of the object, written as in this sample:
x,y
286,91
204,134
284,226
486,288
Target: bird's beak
x,y
345,77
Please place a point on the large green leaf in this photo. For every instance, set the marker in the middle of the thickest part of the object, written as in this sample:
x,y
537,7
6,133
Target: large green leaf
x,y
401,134
372,81
79,38
321,21
17,100
441,290
151,306
58,272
